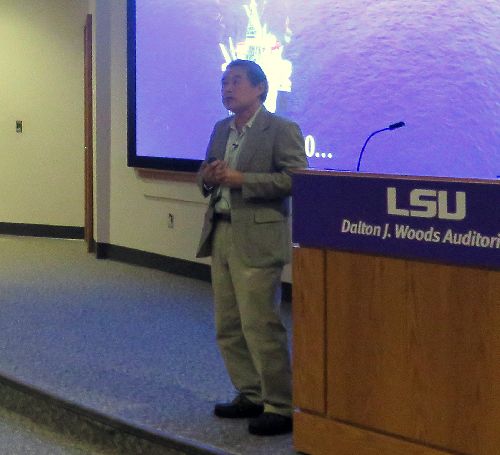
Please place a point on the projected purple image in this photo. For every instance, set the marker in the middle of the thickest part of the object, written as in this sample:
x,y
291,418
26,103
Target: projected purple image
x,y
340,69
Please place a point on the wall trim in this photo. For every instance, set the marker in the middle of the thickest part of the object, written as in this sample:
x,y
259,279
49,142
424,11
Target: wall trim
x,y
153,261
165,263
42,230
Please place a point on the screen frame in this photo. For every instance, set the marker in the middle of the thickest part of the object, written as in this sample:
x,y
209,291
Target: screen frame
x,y
133,159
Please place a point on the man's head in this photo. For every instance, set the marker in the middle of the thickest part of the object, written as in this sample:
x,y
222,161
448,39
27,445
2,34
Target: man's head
x,y
244,84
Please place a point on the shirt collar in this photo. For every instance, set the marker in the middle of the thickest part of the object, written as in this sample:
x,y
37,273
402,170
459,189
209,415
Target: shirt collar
x,y
248,124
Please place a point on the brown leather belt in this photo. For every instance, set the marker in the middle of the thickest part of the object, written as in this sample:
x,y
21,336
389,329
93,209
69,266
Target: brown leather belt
x,y
222,217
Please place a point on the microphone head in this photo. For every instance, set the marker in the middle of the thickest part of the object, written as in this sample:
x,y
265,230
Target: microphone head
x,y
396,125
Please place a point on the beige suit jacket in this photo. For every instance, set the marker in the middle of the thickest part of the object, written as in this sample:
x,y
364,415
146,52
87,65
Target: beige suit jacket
x,y
259,210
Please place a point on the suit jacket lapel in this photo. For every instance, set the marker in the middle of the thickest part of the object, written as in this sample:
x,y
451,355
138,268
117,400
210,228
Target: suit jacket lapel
x,y
220,140
254,140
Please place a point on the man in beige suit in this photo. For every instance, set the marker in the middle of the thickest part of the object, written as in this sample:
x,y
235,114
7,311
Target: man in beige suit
x,y
247,174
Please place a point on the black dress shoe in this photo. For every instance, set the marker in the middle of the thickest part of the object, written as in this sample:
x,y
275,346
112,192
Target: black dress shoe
x,y
241,407
270,424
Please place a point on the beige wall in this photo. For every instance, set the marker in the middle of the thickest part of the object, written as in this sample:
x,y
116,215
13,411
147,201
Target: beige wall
x,y
41,83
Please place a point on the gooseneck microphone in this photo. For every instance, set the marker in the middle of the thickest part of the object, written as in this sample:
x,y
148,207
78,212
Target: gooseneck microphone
x,y
394,126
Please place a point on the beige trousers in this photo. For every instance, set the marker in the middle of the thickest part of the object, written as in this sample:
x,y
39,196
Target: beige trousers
x,y
250,333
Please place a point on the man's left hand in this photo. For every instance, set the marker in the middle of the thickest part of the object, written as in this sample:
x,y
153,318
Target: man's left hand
x,y
231,178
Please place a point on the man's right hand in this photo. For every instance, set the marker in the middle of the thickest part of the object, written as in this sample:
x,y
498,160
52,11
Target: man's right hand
x,y
210,172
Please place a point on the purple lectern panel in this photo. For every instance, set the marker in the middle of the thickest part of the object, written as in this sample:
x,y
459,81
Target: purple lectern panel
x,y
455,222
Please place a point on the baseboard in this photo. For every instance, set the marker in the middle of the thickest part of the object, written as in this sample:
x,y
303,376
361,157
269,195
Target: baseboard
x,y
153,261
165,263
42,230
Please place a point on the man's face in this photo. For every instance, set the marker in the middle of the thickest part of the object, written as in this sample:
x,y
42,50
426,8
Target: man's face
x,y
238,93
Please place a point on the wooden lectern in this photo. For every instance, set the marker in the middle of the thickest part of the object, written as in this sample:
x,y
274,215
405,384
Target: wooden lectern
x,y
394,355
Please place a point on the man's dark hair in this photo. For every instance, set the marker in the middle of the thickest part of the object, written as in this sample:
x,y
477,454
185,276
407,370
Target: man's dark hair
x,y
254,73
